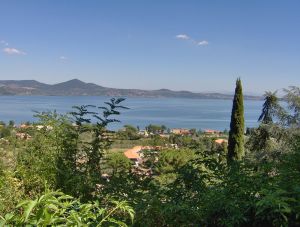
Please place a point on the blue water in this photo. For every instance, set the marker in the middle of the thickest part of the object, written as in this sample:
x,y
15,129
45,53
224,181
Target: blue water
x,y
172,112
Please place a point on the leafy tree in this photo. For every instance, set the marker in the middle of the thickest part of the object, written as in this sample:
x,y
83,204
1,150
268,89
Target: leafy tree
x,y
5,132
80,159
156,140
169,163
36,162
260,142
11,123
117,163
68,153
272,139
128,132
156,129
237,128
292,97
186,141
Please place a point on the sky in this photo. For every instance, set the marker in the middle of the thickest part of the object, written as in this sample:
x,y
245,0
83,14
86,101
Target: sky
x,y
193,45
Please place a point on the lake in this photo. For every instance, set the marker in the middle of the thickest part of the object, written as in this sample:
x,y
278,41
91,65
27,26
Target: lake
x,y
172,112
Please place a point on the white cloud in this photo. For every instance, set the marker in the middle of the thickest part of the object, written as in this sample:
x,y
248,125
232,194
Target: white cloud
x,y
182,36
191,40
3,42
203,43
13,51
63,58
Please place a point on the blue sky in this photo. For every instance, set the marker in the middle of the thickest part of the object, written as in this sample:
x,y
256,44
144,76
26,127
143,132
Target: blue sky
x,y
151,44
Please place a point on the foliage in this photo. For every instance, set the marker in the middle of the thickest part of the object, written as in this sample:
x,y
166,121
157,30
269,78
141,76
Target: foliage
x,y
117,164
80,158
128,132
292,98
57,209
5,131
187,141
237,128
157,140
155,129
11,190
168,164
67,151
272,138
36,163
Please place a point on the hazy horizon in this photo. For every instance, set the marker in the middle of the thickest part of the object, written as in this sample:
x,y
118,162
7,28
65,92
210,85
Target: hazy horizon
x,y
190,45
204,91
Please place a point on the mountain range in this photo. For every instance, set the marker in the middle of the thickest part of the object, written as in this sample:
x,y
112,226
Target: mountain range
x,y
76,87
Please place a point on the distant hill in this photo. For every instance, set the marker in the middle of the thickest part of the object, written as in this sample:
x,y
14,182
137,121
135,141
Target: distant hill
x,y
76,87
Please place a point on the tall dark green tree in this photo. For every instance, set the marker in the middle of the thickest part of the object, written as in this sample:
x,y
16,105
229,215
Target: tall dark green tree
x,y
237,127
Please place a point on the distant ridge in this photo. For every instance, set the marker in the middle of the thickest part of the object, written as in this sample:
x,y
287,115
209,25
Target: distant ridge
x,y
77,87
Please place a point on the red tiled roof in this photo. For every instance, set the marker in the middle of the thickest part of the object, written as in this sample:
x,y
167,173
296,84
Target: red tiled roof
x,y
211,131
220,141
133,153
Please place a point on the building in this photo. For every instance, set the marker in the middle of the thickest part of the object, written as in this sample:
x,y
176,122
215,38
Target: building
x,y
164,135
212,132
180,131
134,154
39,127
143,133
221,141
24,136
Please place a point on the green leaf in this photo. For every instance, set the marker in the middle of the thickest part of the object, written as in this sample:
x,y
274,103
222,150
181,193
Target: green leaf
x,y
28,209
9,216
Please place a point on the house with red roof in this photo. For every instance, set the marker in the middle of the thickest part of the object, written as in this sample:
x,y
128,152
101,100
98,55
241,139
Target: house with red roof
x,y
221,141
134,154
212,132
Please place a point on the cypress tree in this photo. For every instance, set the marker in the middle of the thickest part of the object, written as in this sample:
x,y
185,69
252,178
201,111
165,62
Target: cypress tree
x,y
236,133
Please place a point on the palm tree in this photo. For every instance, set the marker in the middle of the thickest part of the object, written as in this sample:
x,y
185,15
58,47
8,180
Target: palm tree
x,y
270,108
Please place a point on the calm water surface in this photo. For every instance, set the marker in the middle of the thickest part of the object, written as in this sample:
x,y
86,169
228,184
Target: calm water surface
x,y
172,112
